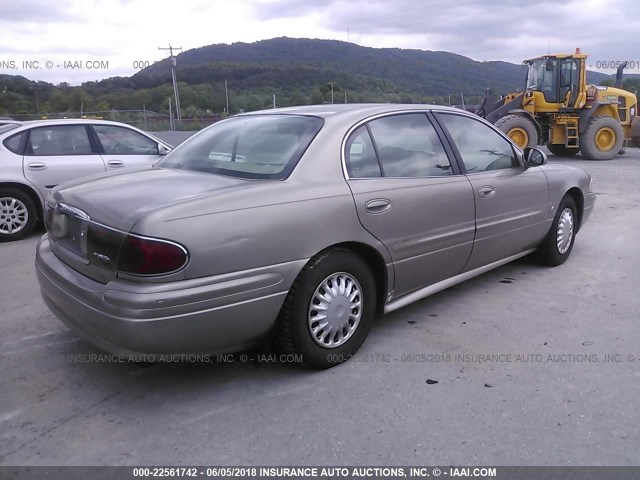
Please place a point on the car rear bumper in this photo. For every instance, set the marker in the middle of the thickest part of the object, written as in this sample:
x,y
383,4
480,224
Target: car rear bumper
x,y
218,314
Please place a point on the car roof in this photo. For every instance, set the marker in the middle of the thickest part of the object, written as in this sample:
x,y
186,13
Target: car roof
x,y
329,110
71,121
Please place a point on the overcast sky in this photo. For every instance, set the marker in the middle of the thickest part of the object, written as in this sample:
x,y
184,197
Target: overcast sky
x,y
116,36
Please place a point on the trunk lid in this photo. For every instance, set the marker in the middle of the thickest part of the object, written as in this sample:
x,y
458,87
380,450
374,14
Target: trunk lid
x,y
120,200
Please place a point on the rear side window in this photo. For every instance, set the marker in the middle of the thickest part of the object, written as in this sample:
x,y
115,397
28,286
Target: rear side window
x,y
252,146
59,140
404,146
15,143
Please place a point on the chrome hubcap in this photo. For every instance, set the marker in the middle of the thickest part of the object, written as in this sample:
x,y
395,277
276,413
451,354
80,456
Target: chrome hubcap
x,y
565,231
13,215
335,310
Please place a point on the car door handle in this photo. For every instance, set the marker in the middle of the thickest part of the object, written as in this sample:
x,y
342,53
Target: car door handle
x,y
487,191
378,205
37,165
115,163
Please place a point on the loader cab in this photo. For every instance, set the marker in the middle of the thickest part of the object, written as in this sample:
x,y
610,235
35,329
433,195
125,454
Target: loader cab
x,y
560,79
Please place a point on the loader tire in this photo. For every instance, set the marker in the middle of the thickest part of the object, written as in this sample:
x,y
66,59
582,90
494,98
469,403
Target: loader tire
x,y
603,138
519,129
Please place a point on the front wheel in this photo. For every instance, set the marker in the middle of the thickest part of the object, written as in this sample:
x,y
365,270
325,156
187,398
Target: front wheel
x,y
329,309
556,247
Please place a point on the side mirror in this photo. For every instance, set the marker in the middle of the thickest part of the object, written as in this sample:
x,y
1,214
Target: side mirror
x,y
534,157
163,149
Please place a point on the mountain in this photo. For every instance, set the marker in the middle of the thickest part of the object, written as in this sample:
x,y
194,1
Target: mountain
x,y
296,71
423,72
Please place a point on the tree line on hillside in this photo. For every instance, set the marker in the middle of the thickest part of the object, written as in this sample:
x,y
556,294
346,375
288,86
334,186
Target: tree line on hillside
x,y
202,90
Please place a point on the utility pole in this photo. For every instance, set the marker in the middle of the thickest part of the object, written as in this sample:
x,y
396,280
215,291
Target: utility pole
x,y
274,100
345,96
332,84
171,125
173,77
226,94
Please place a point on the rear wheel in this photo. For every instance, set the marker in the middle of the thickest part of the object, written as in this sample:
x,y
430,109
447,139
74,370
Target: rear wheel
x,y
556,247
519,129
329,309
561,150
18,214
603,138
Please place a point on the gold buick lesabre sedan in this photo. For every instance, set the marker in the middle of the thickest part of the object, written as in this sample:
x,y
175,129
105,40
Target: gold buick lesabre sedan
x,y
302,224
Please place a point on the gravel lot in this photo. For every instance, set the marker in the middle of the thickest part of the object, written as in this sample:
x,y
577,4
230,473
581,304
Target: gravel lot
x,y
519,356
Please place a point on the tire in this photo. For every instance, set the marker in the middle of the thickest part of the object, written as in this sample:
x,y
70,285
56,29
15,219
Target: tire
x,y
519,129
18,214
603,138
329,269
552,252
561,150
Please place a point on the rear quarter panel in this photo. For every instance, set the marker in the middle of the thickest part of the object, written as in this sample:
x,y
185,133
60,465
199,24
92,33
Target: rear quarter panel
x,y
272,224
563,178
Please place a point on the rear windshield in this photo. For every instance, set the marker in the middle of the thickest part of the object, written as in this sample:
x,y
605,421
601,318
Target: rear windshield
x,y
252,146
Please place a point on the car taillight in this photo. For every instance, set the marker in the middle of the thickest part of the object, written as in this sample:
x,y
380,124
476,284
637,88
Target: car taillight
x,y
150,256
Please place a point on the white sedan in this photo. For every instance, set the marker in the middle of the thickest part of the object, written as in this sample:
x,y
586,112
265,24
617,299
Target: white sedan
x,y
36,156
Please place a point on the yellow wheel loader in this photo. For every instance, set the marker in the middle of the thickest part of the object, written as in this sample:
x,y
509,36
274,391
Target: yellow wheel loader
x,y
558,109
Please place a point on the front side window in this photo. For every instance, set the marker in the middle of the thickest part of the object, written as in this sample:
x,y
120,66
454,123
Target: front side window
x,y
252,146
482,149
406,145
59,140
122,141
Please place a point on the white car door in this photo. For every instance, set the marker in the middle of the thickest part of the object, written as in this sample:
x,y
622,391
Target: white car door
x,y
58,153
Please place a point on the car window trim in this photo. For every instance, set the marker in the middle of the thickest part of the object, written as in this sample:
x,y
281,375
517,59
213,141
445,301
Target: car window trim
x,y
453,161
454,147
456,167
374,143
95,141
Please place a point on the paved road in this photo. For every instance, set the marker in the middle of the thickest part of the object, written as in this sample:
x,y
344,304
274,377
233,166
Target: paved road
x,y
559,403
